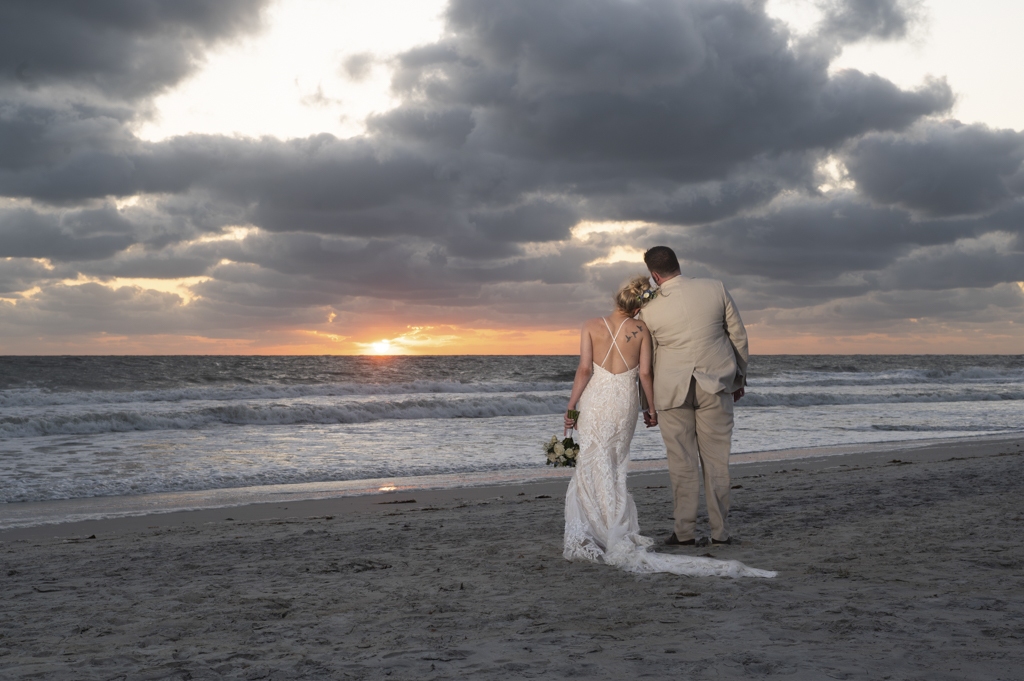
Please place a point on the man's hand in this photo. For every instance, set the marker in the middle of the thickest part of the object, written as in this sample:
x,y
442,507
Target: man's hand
x,y
650,420
738,394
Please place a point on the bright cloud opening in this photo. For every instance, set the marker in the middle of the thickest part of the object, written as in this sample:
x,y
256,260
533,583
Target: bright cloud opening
x,y
585,229
291,79
620,254
180,287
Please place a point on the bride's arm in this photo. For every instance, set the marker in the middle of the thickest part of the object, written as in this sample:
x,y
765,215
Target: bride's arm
x,y
647,373
583,372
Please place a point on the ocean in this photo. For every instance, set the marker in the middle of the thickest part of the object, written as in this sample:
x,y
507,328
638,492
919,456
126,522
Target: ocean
x,y
76,428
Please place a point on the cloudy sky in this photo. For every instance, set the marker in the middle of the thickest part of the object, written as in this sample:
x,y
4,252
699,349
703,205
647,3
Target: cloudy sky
x,y
477,176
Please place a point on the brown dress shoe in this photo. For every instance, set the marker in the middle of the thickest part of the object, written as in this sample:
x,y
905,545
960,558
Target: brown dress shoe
x,y
672,541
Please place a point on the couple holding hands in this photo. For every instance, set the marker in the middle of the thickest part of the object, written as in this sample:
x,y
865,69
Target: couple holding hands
x,y
687,345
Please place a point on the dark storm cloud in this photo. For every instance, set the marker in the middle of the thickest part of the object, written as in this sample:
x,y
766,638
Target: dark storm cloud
x,y
811,241
531,221
91,308
678,91
163,264
340,267
72,236
317,184
448,128
34,135
662,111
970,305
806,253
19,274
940,167
519,99
753,184
976,263
258,289
899,312
122,48
83,174
73,75
852,20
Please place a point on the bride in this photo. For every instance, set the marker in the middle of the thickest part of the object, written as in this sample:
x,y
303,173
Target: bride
x,y
600,516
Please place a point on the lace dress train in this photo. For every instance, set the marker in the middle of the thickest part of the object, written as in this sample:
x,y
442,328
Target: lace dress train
x,y
600,517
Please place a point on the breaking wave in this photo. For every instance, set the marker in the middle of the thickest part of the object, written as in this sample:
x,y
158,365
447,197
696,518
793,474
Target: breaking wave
x,y
41,398
93,422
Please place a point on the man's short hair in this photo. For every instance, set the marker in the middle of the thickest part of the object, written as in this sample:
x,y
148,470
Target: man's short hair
x,y
662,259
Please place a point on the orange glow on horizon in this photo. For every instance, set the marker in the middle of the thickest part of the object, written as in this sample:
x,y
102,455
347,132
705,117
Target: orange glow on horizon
x,y
452,340
954,343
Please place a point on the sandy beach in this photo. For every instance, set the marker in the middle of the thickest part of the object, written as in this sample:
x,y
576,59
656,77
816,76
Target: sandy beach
x,y
891,566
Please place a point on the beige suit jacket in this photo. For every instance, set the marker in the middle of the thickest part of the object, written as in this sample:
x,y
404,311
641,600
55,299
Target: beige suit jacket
x,y
697,332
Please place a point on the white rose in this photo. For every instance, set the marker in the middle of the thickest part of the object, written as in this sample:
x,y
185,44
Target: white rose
x,y
559,449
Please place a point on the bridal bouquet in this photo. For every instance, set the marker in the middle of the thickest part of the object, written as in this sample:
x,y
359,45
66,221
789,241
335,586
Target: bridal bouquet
x,y
561,452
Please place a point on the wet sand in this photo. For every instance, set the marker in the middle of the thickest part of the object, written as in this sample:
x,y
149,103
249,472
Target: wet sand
x,y
905,565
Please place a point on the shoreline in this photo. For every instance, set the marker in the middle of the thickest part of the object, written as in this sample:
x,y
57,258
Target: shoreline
x,y
124,514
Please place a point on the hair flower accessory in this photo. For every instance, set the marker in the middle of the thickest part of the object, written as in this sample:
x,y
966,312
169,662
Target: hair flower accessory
x,y
648,295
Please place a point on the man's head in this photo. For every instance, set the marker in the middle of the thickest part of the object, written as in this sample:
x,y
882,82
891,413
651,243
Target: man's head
x,y
662,262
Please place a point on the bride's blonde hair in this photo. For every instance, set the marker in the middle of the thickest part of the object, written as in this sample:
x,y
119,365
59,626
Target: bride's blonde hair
x,y
628,297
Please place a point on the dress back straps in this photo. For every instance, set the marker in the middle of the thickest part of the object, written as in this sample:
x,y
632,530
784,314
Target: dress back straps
x,y
614,344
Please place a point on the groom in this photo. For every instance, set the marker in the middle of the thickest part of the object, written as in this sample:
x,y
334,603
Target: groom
x,y
700,361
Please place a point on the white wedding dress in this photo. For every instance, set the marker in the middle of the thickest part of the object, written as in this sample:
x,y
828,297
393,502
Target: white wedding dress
x,y
600,516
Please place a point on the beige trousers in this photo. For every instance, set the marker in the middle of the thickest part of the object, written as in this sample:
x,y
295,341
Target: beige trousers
x,y
698,435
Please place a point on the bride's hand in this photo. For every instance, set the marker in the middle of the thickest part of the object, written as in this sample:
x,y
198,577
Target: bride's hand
x,y
569,423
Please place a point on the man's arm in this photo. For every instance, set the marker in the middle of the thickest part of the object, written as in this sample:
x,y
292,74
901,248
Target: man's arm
x,y
737,334
644,405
